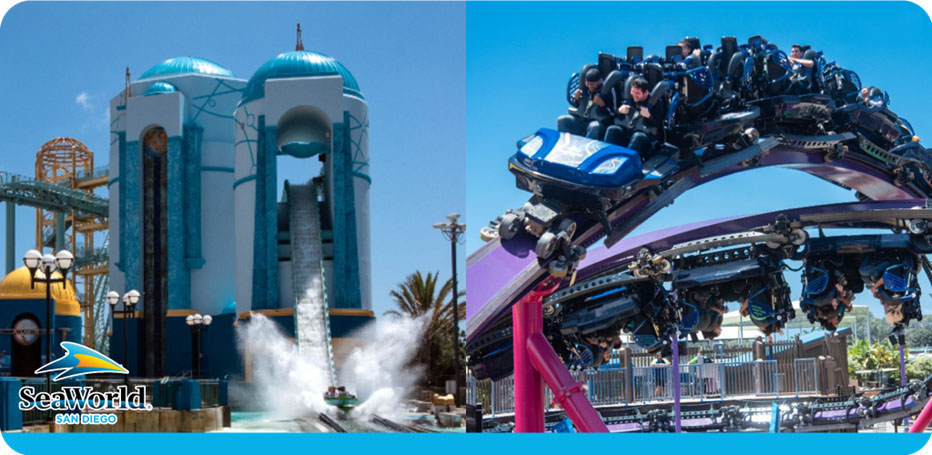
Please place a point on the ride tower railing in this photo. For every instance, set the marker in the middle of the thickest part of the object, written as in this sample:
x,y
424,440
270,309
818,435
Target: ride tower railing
x,y
97,172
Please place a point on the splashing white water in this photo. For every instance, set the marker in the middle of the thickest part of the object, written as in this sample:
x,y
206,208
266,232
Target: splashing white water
x,y
287,383
379,370
291,384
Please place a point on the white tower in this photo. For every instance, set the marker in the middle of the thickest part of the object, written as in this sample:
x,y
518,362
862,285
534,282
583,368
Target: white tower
x,y
302,104
171,175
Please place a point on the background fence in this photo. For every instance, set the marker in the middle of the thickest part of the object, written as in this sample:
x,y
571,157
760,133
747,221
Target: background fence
x,y
701,381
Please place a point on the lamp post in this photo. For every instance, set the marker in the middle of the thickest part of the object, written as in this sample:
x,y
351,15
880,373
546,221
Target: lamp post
x,y
48,265
196,322
453,231
130,299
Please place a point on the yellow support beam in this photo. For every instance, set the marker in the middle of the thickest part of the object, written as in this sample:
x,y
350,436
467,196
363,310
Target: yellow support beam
x,y
98,271
93,227
91,183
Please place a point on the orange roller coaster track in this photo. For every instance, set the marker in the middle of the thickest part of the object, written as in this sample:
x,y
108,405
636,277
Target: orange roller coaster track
x,y
68,163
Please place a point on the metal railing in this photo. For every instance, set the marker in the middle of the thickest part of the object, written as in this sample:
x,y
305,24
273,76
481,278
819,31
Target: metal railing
x,y
605,387
210,393
806,376
97,172
48,196
36,416
652,383
706,381
750,378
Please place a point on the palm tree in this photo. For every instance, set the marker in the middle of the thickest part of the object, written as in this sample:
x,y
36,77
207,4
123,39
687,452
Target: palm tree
x,y
418,296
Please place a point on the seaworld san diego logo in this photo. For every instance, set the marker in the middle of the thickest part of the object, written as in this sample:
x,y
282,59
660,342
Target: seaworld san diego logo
x,y
81,360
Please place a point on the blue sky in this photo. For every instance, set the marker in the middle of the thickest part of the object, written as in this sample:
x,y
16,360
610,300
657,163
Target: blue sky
x,y
60,63
521,55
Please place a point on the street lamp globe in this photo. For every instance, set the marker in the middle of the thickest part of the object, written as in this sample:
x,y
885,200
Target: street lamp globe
x,y
113,298
31,259
48,265
207,319
198,319
64,260
133,297
189,320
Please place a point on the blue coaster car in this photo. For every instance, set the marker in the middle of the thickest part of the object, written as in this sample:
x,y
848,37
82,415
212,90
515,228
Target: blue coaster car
x,y
768,298
892,275
593,322
567,174
705,289
820,297
553,158
838,267
730,132
758,70
843,85
807,114
769,307
830,280
694,119
909,161
653,328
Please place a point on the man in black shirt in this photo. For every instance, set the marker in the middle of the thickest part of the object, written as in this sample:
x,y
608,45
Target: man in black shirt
x,y
595,111
801,66
646,122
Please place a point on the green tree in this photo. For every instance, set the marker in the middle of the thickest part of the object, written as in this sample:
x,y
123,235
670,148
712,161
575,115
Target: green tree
x,y
857,320
876,356
880,328
919,337
919,369
420,296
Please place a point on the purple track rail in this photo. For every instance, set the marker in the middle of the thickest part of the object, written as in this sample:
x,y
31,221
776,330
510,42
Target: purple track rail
x,y
497,274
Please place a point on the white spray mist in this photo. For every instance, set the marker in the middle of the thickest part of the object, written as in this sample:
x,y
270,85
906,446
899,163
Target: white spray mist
x,y
291,385
379,370
288,384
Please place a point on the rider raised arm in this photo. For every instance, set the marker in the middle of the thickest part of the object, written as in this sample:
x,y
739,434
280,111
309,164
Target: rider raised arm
x,y
796,58
802,69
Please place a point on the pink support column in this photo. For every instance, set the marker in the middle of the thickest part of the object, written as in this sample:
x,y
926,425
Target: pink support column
x,y
571,395
923,420
527,319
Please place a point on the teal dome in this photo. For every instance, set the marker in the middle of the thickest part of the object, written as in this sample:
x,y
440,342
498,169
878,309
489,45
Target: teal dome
x,y
159,88
298,64
183,65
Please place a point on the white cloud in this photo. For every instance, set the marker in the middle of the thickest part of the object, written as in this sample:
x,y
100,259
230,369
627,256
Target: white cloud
x,y
83,100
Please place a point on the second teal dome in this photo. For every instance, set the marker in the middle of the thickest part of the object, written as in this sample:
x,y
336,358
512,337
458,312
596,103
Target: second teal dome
x,y
183,65
298,64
